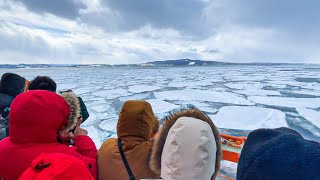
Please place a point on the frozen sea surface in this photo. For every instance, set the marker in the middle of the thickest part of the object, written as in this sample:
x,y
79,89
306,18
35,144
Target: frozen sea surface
x,y
249,118
236,97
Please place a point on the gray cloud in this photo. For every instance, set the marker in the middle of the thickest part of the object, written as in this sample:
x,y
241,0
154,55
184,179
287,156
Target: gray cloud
x,y
143,30
64,8
176,14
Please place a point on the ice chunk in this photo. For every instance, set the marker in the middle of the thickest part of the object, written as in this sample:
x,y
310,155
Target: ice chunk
x,y
109,125
83,90
244,85
92,119
135,97
194,103
310,115
94,135
249,118
286,101
100,108
111,94
203,95
258,92
142,88
208,109
177,84
159,106
308,92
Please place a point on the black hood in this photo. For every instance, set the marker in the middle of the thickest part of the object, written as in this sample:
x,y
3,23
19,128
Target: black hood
x,y
12,84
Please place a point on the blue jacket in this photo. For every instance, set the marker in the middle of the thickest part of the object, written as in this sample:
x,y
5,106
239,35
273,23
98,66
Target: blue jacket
x,y
279,154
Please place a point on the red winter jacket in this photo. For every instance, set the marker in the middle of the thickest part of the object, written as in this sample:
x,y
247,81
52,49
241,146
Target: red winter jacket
x,y
35,120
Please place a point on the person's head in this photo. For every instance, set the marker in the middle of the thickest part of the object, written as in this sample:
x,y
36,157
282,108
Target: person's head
x,y
43,83
187,146
38,116
56,166
136,119
280,153
12,84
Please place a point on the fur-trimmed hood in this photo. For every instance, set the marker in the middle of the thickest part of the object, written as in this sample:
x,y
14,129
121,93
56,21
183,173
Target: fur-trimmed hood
x,y
74,105
168,123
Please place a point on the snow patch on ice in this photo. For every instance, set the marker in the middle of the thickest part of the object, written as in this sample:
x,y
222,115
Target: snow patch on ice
x,y
286,101
249,118
310,115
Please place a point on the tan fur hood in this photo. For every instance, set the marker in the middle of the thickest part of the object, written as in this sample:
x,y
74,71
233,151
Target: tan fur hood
x,y
168,122
73,102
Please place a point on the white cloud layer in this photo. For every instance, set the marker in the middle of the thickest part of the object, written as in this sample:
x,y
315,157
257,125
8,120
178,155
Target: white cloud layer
x,y
116,32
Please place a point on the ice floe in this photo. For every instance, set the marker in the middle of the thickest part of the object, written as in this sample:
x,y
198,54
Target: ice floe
x,y
100,108
249,118
307,92
245,85
142,88
203,95
286,101
93,133
135,97
111,94
159,106
109,125
310,115
258,92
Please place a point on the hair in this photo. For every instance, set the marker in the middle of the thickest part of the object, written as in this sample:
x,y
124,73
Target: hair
x,y
12,84
43,83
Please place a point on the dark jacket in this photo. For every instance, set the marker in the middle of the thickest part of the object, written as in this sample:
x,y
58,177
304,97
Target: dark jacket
x,y
279,154
5,102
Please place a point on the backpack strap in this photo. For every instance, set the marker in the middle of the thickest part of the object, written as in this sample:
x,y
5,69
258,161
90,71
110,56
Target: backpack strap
x,y
125,162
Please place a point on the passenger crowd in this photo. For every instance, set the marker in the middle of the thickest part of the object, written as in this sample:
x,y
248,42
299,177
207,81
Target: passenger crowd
x,y
41,138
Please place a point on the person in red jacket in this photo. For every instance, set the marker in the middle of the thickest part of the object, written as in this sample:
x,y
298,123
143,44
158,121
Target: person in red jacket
x,y
38,120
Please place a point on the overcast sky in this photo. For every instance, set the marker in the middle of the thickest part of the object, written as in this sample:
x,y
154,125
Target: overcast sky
x,y
136,31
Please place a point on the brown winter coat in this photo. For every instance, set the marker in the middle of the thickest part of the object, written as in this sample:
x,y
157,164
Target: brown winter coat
x,y
162,135
135,127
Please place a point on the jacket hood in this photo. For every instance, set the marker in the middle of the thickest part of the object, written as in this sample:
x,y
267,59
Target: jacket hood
x,y
136,119
37,116
178,138
278,154
74,105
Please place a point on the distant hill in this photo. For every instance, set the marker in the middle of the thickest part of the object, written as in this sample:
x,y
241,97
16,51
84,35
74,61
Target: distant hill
x,y
166,63
183,62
